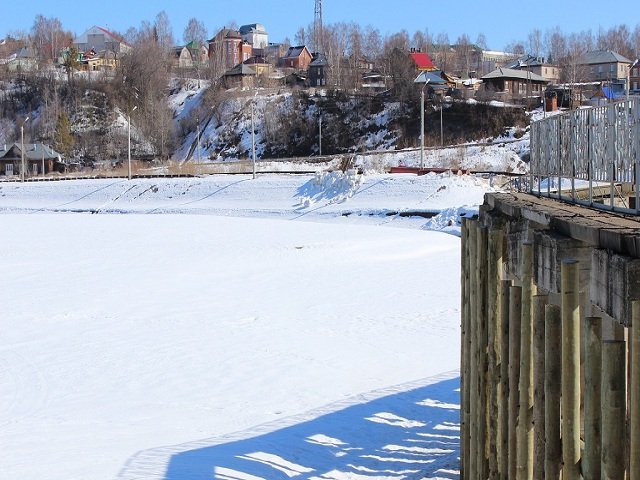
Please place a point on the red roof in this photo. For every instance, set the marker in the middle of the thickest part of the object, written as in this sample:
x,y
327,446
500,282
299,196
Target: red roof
x,y
422,60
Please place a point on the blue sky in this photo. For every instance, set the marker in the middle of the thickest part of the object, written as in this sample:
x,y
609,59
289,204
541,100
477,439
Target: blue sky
x,y
502,23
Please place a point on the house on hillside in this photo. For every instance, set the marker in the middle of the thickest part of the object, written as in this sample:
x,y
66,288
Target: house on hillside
x,y
374,81
421,60
92,61
634,79
507,84
255,35
538,66
99,39
297,58
181,57
199,54
318,69
22,60
38,158
240,76
228,49
602,66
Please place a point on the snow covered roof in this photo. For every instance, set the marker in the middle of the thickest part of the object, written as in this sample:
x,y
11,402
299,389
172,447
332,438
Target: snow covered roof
x,y
252,27
602,56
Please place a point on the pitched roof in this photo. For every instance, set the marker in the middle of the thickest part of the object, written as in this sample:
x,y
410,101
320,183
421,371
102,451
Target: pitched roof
x,y
240,69
602,56
432,78
252,27
295,52
84,38
319,60
517,74
32,151
422,60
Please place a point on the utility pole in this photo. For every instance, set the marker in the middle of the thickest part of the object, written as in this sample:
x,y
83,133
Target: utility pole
x,y
129,143
320,135
22,173
253,141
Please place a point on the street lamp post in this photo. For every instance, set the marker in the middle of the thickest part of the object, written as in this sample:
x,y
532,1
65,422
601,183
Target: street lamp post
x,y
129,144
320,135
422,78
22,148
253,140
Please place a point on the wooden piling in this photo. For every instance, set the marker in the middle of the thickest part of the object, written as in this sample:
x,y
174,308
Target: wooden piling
x,y
494,272
538,320
592,395
472,461
464,354
570,287
525,420
502,359
482,313
552,372
515,313
613,409
634,405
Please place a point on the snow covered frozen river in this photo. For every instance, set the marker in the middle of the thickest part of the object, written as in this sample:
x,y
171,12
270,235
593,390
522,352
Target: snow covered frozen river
x,y
253,330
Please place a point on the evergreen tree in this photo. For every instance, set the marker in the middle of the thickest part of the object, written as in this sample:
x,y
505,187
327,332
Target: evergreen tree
x,y
63,137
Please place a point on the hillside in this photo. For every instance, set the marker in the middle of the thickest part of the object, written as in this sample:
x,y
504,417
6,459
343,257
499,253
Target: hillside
x,y
210,124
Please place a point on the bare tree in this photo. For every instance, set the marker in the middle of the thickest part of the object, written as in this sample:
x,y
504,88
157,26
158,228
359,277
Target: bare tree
x,y
163,32
195,31
534,43
300,38
49,38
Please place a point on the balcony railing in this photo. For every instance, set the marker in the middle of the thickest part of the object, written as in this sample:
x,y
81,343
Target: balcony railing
x,y
589,156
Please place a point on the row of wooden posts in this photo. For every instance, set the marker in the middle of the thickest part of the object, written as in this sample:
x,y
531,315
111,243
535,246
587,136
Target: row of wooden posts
x,y
528,409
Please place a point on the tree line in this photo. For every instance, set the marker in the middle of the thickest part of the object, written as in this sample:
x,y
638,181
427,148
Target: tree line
x,y
143,76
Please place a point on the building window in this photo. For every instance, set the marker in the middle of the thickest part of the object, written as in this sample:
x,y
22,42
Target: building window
x,y
612,68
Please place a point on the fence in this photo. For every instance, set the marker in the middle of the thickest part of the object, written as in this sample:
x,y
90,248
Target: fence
x,y
589,156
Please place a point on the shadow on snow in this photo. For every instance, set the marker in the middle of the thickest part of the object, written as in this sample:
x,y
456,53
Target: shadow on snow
x,y
407,435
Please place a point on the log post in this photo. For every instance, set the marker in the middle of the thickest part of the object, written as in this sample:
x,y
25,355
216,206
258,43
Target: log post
x,y
502,329
515,313
482,274
494,270
473,354
613,409
464,354
552,372
634,406
538,319
570,287
525,423
592,395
